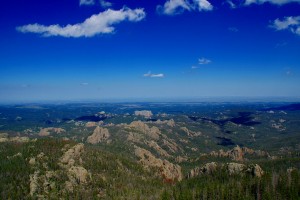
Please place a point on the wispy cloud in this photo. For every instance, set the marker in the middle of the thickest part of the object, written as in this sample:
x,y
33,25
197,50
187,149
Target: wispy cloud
x,y
172,7
149,74
194,67
281,44
231,4
277,2
287,23
233,29
204,61
25,86
101,23
86,2
84,84
288,73
105,4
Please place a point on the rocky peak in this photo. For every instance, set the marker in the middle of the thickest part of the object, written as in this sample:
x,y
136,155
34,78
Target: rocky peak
x,y
168,170
100,134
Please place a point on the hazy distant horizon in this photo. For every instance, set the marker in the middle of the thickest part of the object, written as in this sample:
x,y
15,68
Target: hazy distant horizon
x,y
206,99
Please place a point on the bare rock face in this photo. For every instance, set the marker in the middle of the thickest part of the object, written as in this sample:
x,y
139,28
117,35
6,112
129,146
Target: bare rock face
x,y
93,124
152,132
238,153
144,113
32,161
171,145
180,159
34,183
78,175
47,131
208,168
72,154
4,139
235,168
168,170
190,133
14,139
256,170
169,122
159,150
70,162
231,168
100,134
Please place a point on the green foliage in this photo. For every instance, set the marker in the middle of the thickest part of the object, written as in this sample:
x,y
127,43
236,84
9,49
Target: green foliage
x,y
222,186
112,176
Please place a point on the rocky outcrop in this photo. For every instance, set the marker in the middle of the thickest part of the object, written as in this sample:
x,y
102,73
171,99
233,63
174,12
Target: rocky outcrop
x,y
140,126
14,139
173,147
235,168
238,153
71,161
144,113
43,180
134,137
47,131
256,170
71,155
33,185
180,159
190,133
93,124
208,168
78,175
158,149
169,122
230,168
168,170
99,135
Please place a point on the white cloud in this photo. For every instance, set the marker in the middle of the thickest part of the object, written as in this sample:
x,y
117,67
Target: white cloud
x,y
86,2
194,67
204,61
277,2
84,84
149,74
203,5
105,4
172,7
101,23
287,23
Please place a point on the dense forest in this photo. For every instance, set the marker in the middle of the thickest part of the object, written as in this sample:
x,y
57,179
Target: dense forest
x,y
35,170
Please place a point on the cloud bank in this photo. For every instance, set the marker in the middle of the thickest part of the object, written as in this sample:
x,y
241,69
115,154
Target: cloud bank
x,y
287,23
101,23
172,7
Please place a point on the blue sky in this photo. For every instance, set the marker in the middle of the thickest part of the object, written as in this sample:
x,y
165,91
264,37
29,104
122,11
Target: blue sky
x,y
81,50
